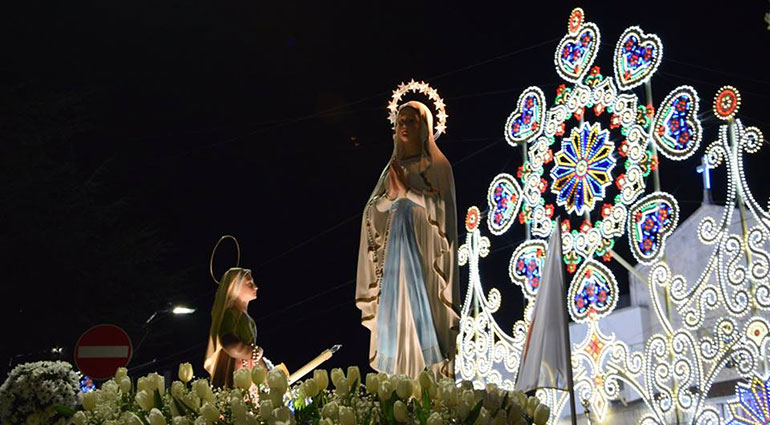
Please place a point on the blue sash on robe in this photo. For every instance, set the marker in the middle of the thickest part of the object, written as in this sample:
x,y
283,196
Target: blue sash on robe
x,y
402,248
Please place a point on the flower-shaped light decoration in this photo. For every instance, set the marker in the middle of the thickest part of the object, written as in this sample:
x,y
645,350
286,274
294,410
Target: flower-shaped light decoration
x,y
427,90
583,167
752,406
727,102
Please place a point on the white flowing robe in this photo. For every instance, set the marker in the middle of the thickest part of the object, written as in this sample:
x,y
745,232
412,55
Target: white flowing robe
x,y
431,186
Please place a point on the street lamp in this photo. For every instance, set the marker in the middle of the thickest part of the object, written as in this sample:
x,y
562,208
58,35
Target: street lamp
x,y
173,309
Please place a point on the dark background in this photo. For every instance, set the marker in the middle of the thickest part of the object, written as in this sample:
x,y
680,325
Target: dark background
x,y
134,134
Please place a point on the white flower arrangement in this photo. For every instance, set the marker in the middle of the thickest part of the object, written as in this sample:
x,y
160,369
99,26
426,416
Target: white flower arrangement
x,y
46,393
266,399
39,393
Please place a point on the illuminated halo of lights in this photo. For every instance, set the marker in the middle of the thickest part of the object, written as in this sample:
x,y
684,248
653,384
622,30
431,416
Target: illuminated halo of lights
x,y
425,89
727,102
637,57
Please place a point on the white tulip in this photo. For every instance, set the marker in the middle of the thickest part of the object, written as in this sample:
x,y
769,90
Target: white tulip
x,y
121,372
145,400
515,410
89,400
501,418
158,382
200,420
110,387
337,377
180,420
124,383
277,381
330,410
238,408
242,379
276,398
403,387
542,412
209,412
265,409
177,389
344,388
321,378
311,388
385,391
354,376
347,416
258,375
203,390
79,418
372,383
463,409
400,412
144,384
185,372
128,418
532,403
282,414
483,418
156,417
435,419
426,380
416,390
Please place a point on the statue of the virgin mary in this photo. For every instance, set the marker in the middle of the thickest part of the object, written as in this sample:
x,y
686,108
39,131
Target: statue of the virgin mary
x,y
407,283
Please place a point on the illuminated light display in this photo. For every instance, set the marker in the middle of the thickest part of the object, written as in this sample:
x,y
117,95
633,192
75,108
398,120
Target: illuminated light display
x,y
583,167
752,403
440,115
504,199
652,219
704,324
593,292
677,130
577,51
472,218
727,102
526,266
637,57
526,122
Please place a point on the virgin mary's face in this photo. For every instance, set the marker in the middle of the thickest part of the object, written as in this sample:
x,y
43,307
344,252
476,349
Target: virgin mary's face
x,y
408,127
248,289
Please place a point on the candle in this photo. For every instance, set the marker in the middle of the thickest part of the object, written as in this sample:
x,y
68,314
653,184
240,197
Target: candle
x,y
304,370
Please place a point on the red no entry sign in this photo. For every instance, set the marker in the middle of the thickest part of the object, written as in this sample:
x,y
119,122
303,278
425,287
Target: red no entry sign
x,y
101,350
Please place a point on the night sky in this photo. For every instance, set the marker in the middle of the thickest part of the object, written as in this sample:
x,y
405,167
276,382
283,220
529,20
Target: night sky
x,y
135,134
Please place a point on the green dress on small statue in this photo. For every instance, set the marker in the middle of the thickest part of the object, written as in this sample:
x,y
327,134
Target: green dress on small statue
x,y
242,327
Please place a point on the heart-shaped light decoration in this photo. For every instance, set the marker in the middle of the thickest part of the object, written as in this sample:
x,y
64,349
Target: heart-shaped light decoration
x,y
526,122
593,292
576,52
504,199
637,57
526,266
676,130
651,220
